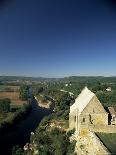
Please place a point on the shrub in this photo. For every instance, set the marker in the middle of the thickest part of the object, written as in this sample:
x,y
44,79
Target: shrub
x,y
5,105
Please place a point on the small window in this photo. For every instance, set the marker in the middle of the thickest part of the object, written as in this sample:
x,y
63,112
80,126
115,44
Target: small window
x,y
75,118
93,110
83,119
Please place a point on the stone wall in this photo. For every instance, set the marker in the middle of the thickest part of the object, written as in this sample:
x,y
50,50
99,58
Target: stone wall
x,y
103,128
101,118
94,113
98,115
94,106
89,144
100,143
72,121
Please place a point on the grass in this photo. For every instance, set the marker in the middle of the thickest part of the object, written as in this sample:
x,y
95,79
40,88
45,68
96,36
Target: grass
x,y
109,140
8,87
6,117
2,88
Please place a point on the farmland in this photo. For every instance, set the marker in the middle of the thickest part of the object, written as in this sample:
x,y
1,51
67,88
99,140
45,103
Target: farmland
x,y
8,88
13,96
11,92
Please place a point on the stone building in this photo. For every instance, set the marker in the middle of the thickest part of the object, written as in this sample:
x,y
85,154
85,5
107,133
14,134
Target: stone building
x,y
112,115
87,110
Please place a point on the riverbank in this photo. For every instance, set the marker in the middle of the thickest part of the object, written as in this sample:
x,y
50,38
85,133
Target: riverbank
x,y
51,136
20,114
44,104
20,133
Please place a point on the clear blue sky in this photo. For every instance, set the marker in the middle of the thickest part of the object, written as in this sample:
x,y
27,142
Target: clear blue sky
x,y
56,38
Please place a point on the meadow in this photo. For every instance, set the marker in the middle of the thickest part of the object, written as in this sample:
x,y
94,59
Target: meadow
x,y
109,140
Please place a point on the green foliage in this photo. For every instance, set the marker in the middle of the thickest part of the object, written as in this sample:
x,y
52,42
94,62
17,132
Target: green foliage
x,y
24,92
109,139
63,105
5,105
65,101
71,148
97,86
10,121
70,132
44,121
52,142
38,88
17,151
107,98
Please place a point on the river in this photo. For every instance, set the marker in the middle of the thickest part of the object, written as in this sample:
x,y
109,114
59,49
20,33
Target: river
x,y
20,133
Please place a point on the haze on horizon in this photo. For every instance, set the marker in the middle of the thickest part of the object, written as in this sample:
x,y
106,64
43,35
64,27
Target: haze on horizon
x,y
57,38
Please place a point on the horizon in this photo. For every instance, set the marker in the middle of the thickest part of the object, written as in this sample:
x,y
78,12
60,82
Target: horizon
x,y
57,38
23,76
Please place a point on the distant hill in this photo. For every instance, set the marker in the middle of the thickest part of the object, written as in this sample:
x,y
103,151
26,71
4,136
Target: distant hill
x,y
85,79
89,79
23,78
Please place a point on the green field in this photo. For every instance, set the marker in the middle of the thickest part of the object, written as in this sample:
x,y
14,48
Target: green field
x,y
2,88
109,141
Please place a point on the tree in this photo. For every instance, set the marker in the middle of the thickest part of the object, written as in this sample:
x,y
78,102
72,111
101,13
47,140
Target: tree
x,y
17,150
24,92
5,105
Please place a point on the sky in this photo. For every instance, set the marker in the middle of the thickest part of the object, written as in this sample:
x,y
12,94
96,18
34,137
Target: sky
x,y
57,38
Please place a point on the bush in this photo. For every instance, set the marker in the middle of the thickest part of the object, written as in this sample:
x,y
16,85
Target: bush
x,y
17,150
5,105
24,92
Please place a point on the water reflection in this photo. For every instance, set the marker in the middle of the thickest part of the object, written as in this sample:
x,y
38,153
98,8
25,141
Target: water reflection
x,y
20,133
